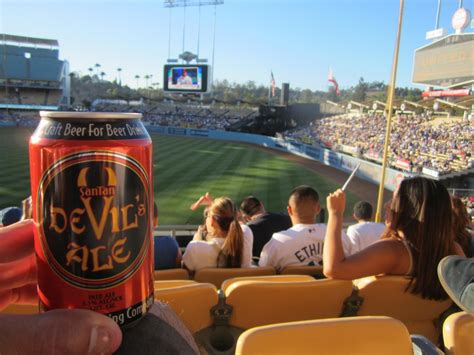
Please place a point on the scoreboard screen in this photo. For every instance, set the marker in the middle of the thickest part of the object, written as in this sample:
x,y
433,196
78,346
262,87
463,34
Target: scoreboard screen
x,y
445,63
186,78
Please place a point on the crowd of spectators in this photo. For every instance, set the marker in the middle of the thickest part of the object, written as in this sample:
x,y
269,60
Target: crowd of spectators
x,y
416,141
186,116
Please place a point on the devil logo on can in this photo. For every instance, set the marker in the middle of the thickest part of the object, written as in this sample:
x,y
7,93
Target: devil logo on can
x,y
93,210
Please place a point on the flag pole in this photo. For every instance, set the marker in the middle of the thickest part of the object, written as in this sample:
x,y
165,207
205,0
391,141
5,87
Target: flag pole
x,y
389,107
270,89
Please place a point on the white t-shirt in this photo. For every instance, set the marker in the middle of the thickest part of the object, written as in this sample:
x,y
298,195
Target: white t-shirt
x,y
302,244
361,235
202,254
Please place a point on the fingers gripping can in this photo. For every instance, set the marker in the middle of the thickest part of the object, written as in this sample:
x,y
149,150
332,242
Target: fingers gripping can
x,y
92,193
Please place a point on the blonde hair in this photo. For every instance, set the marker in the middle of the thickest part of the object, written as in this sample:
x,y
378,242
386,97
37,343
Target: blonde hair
x,y
224,213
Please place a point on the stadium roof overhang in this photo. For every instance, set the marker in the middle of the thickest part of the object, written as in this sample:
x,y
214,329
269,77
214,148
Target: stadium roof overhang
x,y
6,39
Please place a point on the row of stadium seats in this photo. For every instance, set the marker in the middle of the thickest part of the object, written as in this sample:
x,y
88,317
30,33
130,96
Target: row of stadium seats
x,y
256,306
218,317
361,335
217,276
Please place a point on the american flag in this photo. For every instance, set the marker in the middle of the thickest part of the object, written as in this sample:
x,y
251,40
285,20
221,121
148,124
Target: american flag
x,y
272,82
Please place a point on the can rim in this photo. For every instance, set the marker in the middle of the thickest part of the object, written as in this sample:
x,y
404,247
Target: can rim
x,y
91,115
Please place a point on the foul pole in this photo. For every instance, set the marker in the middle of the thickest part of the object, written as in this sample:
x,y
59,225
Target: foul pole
x,y
389,106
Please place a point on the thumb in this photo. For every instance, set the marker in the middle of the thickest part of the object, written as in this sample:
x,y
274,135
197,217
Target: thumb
x,y
59,332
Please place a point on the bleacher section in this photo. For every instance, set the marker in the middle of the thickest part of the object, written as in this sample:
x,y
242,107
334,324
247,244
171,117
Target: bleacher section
x,y
419,144
184,115
31,74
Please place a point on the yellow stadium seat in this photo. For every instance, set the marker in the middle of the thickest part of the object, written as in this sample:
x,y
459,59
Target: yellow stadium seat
x,y
315,271
191,302
21,309
172,283
360,335
216,276
275,278
387,296
171,274
258,303
458,334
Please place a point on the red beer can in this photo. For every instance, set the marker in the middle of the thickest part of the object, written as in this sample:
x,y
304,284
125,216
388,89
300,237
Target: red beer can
x,y
92,193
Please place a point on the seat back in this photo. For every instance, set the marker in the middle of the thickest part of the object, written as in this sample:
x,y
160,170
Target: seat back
x,y
386,296
458,334
274,278
258,303
315,271
171,274
216,276
191,302
172,283
21,309
358,335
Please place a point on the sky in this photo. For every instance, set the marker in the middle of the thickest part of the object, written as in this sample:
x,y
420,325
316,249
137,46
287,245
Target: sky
x,y
296,39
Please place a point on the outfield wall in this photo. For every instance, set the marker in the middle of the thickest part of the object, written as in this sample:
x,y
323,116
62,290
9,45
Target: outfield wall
x,y
368,171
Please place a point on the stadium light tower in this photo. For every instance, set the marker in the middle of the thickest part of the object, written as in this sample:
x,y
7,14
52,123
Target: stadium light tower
x,y
188,3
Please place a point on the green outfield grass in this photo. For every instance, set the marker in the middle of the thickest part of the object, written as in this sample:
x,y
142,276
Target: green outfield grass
x,y
184,169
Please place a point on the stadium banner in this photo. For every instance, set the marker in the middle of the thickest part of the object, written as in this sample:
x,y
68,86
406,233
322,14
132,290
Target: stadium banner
x,y
295,147
403,164
430,172
348,164
198,132
373,156
349,149
156,129
177,131
332,158
313,152
442,93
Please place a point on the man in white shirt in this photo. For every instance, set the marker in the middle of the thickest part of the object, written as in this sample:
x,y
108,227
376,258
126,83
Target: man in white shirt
x,y
301,244
364,233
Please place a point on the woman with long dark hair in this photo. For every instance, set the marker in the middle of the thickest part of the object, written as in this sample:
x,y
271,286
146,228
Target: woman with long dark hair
x,y
419,234
463,233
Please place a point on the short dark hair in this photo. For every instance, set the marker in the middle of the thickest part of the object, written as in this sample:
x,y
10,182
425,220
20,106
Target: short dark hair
x,y
304,192
250,205
363,210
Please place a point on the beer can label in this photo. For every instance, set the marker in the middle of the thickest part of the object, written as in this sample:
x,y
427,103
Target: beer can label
x,y
93,213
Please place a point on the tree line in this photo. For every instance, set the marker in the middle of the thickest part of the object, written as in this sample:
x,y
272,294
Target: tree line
x,y
86,88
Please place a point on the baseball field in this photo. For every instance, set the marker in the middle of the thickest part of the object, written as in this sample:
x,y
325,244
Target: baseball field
x,y
184,169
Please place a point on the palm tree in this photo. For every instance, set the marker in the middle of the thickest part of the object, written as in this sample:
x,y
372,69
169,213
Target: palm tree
x,y
146,80
90,71
97,66
119,70
102,74
137,77
151,79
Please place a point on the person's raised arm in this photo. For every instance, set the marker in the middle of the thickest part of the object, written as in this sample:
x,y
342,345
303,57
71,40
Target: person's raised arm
x,y
205,200
382,257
